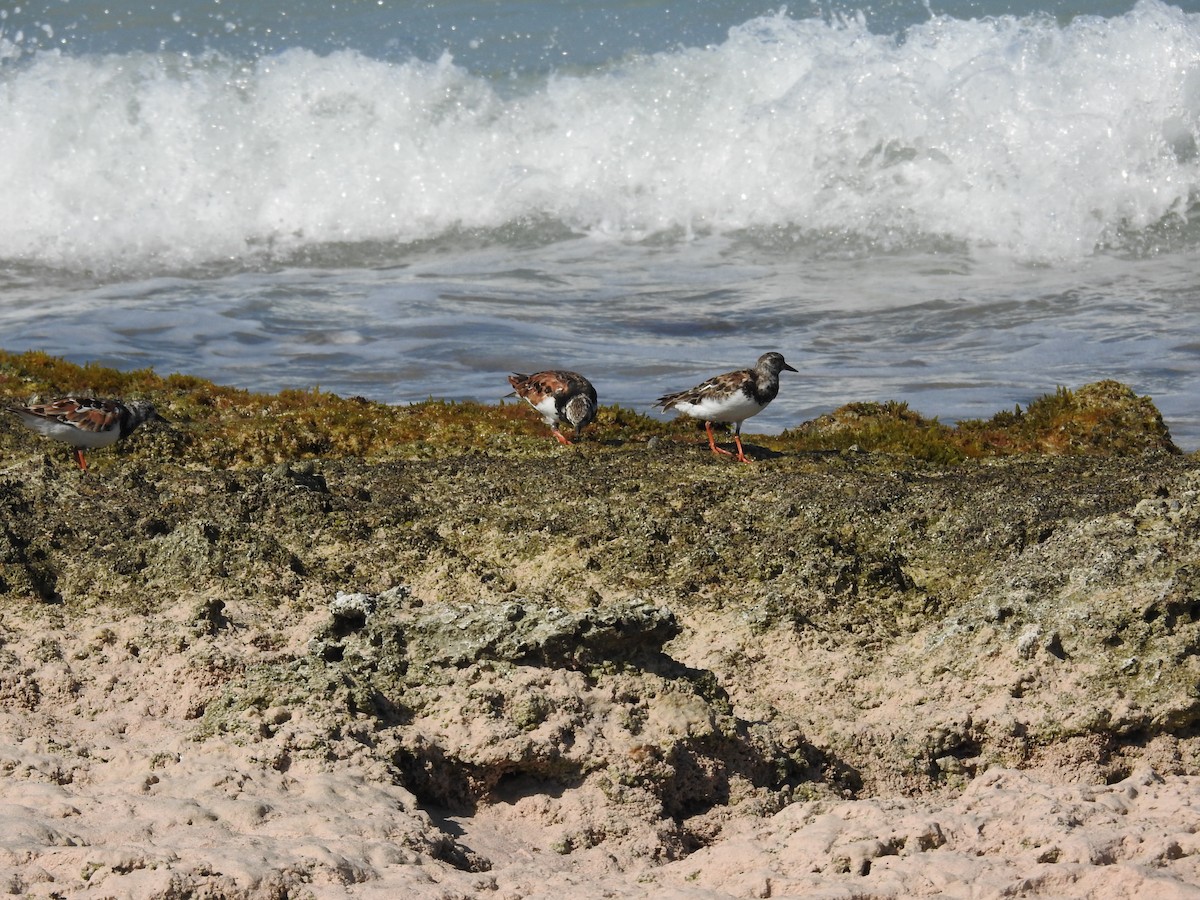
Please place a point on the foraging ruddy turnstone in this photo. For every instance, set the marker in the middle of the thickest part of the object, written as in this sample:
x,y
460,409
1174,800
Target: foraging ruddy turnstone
x,y
85,422
732,397
559,396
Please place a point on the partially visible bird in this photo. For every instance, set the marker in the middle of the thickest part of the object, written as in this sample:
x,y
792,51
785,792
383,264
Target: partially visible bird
x,y
85,422
731,397
560,396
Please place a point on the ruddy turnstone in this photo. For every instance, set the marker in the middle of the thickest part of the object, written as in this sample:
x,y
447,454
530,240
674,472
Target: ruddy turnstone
x,y
559,396
732,397
86,423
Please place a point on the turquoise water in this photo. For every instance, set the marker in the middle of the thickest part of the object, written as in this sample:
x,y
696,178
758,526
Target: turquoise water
x,y
958,205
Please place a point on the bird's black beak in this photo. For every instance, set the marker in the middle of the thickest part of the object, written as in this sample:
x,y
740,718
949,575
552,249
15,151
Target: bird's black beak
x,y
789,368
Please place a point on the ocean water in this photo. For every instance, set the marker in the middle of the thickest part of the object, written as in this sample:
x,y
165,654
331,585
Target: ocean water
x,y
961,204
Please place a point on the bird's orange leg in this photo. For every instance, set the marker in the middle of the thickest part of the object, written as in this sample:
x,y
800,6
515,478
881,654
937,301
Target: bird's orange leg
x,y
741,454
712,441
562,438
80,459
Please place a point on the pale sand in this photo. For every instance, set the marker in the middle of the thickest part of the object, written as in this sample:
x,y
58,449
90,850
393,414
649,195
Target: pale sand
x,y
106,794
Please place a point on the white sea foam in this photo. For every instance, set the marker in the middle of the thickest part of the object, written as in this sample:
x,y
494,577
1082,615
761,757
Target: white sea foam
x,y
1043,140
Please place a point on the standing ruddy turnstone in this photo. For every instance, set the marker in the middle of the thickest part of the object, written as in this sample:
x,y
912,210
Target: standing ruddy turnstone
x,y
559,396
87,423
732,397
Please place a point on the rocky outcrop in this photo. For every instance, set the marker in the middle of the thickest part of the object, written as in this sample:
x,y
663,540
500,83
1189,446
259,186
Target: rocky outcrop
x,y
636,648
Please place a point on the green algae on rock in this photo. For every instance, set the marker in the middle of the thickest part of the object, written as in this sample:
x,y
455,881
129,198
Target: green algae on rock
x,y
1100,419
222,428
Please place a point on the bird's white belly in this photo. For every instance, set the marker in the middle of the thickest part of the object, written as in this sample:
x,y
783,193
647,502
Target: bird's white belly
x,y
547,408
733,408
69,434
